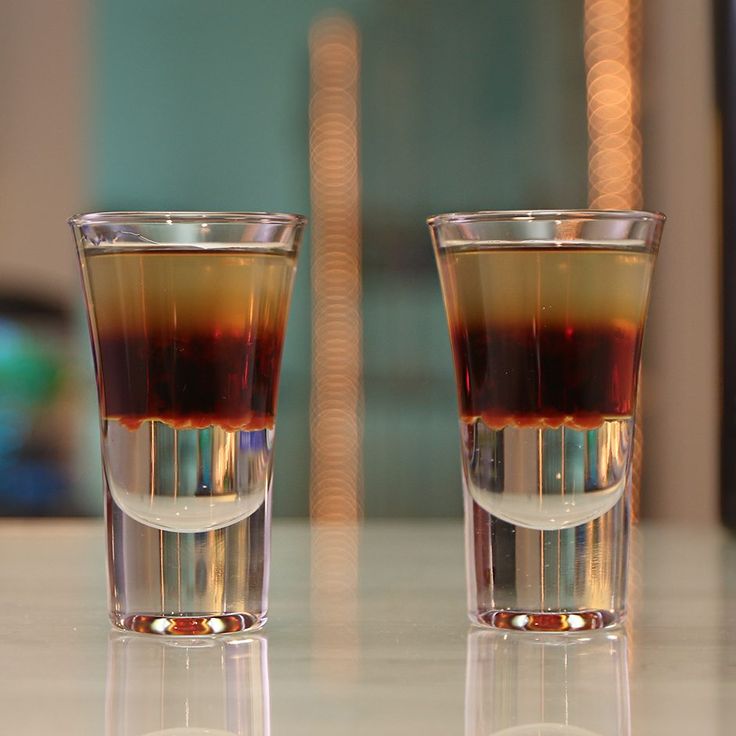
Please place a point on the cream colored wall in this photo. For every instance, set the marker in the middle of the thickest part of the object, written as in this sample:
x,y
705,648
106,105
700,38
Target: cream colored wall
x,y
43,81
681,381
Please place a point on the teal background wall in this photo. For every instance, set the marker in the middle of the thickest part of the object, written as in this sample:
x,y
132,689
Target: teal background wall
x,y
474,104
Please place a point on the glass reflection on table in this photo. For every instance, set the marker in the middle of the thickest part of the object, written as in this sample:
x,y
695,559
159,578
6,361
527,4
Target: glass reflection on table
x,y
522,684
187,687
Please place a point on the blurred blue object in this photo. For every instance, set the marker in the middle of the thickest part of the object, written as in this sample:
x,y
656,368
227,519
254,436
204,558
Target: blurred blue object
x,y
29,377
32,474
30,488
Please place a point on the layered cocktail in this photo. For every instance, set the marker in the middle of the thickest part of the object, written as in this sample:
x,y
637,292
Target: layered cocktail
x,y
546,334
188,320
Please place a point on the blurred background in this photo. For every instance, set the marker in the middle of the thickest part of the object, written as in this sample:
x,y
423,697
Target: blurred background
x,y
366,115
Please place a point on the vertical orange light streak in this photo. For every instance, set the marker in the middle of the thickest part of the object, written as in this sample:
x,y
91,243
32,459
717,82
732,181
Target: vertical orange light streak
x,y
612,52
336,289
336,478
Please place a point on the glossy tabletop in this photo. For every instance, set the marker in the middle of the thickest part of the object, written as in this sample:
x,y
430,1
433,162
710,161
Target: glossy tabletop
x,y
367,635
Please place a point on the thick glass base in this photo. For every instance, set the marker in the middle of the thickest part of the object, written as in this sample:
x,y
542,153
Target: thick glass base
x,y
189,583
556,580
189,625
546,621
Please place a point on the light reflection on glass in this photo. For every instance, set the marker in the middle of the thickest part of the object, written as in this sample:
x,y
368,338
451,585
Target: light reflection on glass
x,y
186,687
522,685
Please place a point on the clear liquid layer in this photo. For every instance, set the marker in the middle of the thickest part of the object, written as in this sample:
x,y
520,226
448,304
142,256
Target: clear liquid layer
x,y
546,479
186,480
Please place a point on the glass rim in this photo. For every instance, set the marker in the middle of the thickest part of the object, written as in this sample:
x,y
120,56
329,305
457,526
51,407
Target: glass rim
x,y
458,218
169,217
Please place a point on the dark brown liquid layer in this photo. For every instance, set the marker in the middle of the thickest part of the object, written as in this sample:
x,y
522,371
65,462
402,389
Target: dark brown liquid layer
x,y
554,375
191,380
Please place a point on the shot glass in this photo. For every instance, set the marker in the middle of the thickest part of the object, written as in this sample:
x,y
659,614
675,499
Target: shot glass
x,y
546,314
187,313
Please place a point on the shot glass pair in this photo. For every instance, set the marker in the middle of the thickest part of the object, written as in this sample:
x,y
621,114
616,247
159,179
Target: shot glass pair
x,y
187,315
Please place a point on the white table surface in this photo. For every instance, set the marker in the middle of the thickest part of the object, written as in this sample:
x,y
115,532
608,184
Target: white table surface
x,y
395,656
